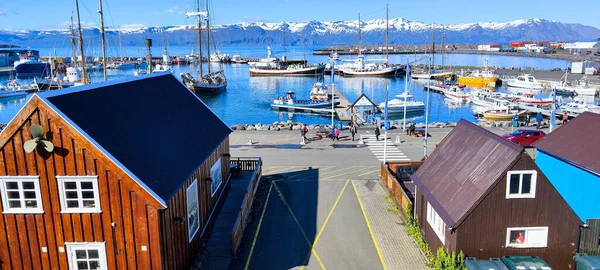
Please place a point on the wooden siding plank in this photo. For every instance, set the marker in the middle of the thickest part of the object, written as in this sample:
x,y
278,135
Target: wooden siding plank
x,y
154,234
98,234
32,239
60,170
140,225
117,218
56,239
72,170
86,219
5,256
108,233
126,209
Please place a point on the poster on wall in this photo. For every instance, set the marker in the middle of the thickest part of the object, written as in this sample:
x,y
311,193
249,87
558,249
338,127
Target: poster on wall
x,y
193,214
216,176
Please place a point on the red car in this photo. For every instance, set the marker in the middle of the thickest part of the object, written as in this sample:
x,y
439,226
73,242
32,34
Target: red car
x,y
524,137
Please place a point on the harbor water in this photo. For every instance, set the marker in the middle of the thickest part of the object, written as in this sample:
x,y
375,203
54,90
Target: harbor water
x,y
247,99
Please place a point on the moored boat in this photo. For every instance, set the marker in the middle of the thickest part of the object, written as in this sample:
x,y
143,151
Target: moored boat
x,y
398,104
292,70
210,83
319,100
456,93
501,114
237,59
525,81
28,66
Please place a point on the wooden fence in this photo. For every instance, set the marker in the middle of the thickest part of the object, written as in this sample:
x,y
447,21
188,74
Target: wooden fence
x,y
400,196
242,219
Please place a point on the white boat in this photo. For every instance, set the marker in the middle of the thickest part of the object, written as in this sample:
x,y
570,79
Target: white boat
x,y
488,99
6,92
579,106
218,57
292,70
237,59
334,56
318,99
456,93
525,81
579,87
397,105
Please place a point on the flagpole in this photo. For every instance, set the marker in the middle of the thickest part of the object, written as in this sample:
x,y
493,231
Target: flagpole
x,y
553,113
405,92
427,113
385,125
332,95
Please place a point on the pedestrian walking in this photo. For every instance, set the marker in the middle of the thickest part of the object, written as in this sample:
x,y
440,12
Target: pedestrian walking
x,y
565,118
353,131
539,118
377,133
303,131
527,119
515,120
336,134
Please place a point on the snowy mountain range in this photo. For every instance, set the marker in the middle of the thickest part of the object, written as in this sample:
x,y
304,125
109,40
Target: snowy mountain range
x,y
402,31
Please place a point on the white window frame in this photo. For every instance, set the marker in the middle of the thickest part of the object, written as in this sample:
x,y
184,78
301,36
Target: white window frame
x,y
78,180
436,223
21,210
526,245
530,195
73,246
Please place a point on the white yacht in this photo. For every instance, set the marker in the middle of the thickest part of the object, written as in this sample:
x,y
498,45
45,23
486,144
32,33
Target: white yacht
x,y
456,93
525,81
397,105
579,106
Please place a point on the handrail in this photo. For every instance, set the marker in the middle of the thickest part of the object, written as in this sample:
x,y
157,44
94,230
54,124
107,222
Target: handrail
x,y
242,218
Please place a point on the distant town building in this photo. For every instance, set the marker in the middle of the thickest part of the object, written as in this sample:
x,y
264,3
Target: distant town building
x,y
582,47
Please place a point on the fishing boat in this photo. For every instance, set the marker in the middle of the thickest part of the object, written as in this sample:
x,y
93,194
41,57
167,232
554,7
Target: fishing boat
x,y
578,87
319,100
480,78
525,81
334,56
29,66
397,105
218,57
579,106
291,70
457,93
212,82
237,59
488,99
6,92
501,114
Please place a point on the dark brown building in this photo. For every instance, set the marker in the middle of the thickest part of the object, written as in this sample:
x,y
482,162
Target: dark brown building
x,y
137,170
485,196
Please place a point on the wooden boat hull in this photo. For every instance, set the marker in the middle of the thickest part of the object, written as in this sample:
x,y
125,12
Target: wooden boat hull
x,y
500,116
201,88
385,72
309,71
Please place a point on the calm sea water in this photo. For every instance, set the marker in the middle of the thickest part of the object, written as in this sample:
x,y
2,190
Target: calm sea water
x,y
248,99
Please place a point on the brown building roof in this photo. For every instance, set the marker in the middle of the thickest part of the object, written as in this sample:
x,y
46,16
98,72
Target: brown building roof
x,y
578,141
462,170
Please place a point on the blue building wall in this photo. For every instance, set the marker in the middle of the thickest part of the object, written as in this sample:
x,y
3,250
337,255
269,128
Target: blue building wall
x,y
579,188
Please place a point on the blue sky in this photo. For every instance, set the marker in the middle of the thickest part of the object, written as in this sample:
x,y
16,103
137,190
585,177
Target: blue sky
x,y
37,14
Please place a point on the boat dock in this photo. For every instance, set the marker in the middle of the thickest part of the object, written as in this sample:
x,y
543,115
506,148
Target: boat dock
x,y
7,70
302,109
435,89
341,110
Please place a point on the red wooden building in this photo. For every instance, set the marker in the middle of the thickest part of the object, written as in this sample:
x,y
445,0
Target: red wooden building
x,y
137,170
483,195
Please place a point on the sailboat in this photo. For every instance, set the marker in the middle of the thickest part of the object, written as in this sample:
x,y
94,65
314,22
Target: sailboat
x,y
211,82
359,67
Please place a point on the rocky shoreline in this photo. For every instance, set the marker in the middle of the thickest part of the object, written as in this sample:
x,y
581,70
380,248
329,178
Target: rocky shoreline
x,y
289,125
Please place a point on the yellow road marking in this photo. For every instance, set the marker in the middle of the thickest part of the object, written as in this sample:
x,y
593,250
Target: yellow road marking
x,y
326,221
312,171
370,172
298,224
258,228
281,170
345,173
369,226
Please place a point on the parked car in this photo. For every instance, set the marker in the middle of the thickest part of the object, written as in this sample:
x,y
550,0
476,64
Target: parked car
x,y
524,137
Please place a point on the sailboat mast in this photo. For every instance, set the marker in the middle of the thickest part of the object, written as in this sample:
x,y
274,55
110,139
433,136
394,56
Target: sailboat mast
x,y
359,37
84,78
199,41
103,41
387,30
207,36
433,45
73,44
443,47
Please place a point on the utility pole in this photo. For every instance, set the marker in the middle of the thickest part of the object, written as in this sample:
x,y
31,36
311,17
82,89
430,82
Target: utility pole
x,y
103,41
73,43
443,48
433,45
359,36
84,78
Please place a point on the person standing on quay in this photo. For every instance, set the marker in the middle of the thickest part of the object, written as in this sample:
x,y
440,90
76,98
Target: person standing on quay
x,y
353,131
303,131
377,133
565,118
336,134
539,118
515,120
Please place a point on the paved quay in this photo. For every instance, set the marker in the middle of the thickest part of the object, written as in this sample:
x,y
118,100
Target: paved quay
x,y
325,207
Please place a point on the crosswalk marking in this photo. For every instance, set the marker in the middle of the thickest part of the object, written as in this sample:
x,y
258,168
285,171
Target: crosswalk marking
x,y
377,148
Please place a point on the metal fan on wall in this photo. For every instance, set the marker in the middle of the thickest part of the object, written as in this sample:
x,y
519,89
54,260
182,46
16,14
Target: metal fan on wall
x,y
37,132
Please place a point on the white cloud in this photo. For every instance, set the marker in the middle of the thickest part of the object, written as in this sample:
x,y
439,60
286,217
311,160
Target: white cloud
x,y
172,9
131,26
67,24
2,13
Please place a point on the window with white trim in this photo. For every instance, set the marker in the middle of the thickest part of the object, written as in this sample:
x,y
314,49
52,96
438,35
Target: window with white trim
x,y
436,223
21,195
87,256
527,237
79,194
521,184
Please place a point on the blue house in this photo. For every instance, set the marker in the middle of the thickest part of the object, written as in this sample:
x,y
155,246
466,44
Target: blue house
x,y
570,158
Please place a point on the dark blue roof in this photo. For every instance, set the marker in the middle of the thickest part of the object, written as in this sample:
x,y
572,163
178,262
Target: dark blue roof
x,y
152,126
